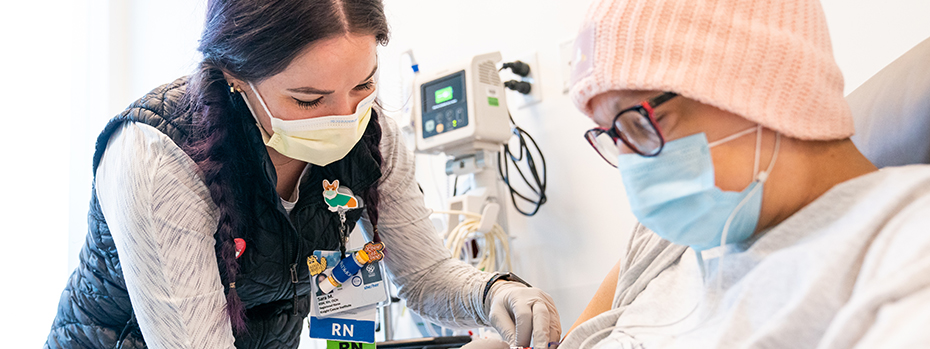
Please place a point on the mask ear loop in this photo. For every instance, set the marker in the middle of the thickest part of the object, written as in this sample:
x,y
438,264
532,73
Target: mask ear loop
x,y
254,115
732,137
760,179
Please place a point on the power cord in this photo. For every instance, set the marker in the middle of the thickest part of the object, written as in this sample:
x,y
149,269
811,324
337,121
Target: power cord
x,y
517,67
537,180
519,86
493,249
537,183
521,69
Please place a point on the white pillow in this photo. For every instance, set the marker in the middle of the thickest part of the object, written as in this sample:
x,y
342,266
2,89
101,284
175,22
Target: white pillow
x,y
891,111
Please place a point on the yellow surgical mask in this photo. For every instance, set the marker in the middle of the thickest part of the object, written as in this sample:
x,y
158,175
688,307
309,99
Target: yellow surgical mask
x,y
319,141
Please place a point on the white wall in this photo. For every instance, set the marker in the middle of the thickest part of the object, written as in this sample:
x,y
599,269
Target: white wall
x,y
71,65
135,47
869,34
41,64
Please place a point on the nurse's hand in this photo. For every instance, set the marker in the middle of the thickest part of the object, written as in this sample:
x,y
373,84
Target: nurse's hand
x,y
522,313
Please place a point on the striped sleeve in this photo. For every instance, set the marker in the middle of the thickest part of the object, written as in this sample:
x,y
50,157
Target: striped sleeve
x,y
162,220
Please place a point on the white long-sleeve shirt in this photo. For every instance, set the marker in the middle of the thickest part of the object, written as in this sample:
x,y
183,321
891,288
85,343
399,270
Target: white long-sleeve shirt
x,y
162,220
849,270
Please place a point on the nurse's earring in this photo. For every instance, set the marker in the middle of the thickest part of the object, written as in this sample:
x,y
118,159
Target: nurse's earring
x,y
234,88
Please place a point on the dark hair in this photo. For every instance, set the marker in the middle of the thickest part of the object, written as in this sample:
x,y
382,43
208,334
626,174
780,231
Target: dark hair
x,y
253,40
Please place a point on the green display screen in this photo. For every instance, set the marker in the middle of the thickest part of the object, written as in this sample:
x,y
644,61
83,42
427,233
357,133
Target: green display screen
x,y
443,94
444,104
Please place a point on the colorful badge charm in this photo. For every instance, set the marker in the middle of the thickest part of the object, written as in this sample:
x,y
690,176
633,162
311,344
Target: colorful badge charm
x,y
315,265
346,268
339,198
240,246
374,251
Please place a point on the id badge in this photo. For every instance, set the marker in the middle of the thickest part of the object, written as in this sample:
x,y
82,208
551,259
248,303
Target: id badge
x,y
364,289
356,326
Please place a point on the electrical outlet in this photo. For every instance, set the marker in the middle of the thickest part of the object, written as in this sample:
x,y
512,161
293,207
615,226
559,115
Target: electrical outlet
x,y
516,99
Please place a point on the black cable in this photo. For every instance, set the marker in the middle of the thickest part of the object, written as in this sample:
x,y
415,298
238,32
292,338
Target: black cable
x,y
520,69
517,67
538,183
520,86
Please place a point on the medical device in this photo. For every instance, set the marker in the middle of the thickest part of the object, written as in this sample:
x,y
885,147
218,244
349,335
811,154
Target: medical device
x,y
461,112
461,109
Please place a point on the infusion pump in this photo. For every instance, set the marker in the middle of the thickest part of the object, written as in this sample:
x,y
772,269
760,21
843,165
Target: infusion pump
x,y
462,109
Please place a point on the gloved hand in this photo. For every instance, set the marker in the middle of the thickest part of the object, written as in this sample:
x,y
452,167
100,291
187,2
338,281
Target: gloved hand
x,y
522,313
484,343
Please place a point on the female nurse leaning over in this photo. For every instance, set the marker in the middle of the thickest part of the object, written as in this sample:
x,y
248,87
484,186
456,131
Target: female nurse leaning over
x,y
212,191
762,225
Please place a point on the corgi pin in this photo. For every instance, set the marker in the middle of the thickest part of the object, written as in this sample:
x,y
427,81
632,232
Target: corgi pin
x,y
339,198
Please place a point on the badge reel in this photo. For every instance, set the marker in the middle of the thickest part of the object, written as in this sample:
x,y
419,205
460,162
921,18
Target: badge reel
x,y
346,291
341,284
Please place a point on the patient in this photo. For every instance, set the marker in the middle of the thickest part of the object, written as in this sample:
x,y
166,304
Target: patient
x,y
762,225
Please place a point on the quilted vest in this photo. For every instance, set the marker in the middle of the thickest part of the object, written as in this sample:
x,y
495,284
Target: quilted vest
x,y
95,311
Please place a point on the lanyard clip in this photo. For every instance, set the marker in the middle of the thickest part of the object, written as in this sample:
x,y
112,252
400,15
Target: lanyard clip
x,y
294,279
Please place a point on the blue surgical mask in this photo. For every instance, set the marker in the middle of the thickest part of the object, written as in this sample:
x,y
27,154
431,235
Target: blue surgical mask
x,y
674,194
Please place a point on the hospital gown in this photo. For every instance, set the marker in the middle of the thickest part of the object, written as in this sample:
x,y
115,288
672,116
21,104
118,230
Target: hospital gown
x,y
849,270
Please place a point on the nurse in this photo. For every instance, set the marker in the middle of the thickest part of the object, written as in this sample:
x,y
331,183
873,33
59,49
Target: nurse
x,y
762,225
212,191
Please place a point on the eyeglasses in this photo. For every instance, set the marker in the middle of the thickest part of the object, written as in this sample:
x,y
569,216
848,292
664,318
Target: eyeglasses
x,y
635,126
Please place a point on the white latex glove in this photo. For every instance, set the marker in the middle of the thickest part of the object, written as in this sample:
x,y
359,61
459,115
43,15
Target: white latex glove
x,y
484,343
522,313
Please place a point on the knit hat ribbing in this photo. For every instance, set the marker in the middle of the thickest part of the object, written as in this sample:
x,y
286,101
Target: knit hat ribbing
x,y
768,61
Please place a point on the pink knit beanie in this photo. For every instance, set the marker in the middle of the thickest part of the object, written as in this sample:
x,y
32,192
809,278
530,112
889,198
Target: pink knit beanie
x,y
768,61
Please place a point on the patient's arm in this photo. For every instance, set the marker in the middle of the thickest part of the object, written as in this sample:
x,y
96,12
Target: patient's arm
x,y
602,299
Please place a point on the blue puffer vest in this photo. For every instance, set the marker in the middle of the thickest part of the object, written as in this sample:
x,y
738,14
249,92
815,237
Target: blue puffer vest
x,y
95,311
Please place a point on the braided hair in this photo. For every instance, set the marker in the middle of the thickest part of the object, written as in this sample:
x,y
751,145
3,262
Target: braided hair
x,y
244,39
